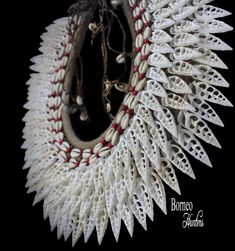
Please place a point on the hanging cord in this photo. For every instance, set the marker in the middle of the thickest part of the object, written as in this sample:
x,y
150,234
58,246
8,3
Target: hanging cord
x,y
107,17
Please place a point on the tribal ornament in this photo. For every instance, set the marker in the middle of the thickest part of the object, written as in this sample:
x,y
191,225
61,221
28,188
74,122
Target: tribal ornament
x,y
162,118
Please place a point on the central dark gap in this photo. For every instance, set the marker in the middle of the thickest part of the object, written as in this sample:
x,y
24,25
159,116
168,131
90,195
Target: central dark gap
x,y
92,88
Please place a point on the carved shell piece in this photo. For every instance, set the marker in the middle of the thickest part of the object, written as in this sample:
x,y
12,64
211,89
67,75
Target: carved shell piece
x,y
158,60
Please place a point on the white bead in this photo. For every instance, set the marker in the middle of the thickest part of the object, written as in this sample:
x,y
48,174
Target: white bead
x,y
115,138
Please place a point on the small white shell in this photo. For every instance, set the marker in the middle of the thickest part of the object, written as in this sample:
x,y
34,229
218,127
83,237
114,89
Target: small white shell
x,y
136,12
68,48
115,3
147,32
58,126
75,153
132,2
59,136
125,121
97,148
143,67
139,41
145,50
128,99
120,59
139,25
109,134
93,158
64,61
137,60
146,18
135,79
79,100
141,84
104,152
62,155
86,153
83,163
64,146
143,5
60,74
115,138
119,117
133,103
108,107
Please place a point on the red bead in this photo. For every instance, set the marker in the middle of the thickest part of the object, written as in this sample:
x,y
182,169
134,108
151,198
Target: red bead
x,y
146,41
123,107
147,24
110,146
134,93
138,49
119,130
134,6
115,126
130,111
66,160
69,150
103,142
132,88
136,69
142,11
144,57
141,76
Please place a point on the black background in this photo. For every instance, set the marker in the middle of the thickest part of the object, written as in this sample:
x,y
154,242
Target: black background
x,y
24,226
